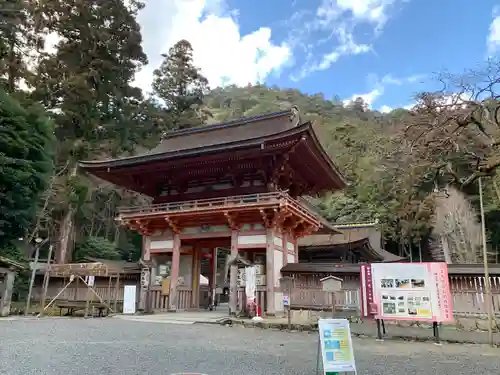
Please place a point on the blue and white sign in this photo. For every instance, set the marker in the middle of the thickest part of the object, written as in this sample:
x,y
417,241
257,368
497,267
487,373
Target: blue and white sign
x,y
286,300
336,345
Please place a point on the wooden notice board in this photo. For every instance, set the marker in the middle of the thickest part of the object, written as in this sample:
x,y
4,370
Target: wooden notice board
x,y
165,287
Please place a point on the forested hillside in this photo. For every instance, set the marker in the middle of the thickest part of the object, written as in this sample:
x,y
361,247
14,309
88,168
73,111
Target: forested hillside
x,y
416,172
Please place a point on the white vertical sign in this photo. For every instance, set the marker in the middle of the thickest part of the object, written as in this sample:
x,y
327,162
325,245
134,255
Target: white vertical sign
x,y
90,280
129,299
250,282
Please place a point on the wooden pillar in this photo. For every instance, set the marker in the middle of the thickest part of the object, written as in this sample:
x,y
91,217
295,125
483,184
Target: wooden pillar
x,y
233,279
270,304
295,242
145,276
8,286
284,247
145,282
146,248
211,276
117,288
174,274
195,283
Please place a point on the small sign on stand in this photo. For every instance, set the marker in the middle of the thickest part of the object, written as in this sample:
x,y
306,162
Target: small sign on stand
x,y
335,352
286,284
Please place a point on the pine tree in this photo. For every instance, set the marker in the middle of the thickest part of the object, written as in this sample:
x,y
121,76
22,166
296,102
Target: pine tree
x,y
181,86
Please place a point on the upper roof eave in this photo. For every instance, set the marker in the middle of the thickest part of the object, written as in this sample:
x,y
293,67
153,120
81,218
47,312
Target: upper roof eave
x,y
233,123
330,162
306,127
157,153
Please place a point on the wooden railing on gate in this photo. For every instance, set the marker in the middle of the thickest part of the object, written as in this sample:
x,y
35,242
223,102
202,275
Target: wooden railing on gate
x,y
271,198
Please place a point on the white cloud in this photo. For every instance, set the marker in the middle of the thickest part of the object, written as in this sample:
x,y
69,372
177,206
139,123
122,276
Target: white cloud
x,y
372,11
220,51
387,109
391,80
379,88
339,19
368,98
493,40
346,47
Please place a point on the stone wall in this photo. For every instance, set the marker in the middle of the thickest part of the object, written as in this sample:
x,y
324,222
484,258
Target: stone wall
x,y
462,323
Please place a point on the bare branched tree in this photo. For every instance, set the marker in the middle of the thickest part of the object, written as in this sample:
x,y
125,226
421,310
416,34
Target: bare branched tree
x,y
458,128
457,228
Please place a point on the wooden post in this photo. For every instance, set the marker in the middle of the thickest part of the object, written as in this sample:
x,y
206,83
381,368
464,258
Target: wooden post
x,y
87,300
233,276
333,305
110,281
32,280
195,283
487,283
46,279
117,287
174,273
144,299
6,299
77,288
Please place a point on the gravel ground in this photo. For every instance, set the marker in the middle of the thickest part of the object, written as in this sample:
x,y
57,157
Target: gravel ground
x,y
60,346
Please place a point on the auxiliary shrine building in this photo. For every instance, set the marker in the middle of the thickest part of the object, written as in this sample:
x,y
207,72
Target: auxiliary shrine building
x,y
233,185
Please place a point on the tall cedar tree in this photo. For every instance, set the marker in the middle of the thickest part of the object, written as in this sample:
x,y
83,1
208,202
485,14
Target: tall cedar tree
x,y
18,40
26,161
181,86
87,84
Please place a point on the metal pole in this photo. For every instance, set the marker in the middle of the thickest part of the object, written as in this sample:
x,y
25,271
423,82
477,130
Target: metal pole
x,y
32,280
486,270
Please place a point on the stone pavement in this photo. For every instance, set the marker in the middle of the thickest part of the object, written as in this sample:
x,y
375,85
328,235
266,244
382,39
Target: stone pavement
x,y
187,317
448,334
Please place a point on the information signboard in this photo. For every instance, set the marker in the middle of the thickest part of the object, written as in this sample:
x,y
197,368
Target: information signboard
x,y
406,291
335,346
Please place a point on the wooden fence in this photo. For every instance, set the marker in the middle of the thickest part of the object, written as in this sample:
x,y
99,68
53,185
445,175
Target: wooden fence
x,y
468,296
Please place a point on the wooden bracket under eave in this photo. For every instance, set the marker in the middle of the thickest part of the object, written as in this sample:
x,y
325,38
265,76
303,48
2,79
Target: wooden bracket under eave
x,y
268,217
232,220
173,225
280,217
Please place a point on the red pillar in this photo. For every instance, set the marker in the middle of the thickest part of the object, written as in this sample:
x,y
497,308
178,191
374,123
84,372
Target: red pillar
x,y
270,295
211,281
284,247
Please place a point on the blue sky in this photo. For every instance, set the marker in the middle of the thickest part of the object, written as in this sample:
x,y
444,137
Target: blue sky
x,y
382,50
